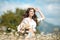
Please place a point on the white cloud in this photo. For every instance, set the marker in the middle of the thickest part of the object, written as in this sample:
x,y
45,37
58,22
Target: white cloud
x,y
52,1
4,6
47,1
11,6
24,6
53,9
49,7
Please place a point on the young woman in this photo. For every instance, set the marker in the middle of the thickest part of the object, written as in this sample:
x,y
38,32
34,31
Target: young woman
x,y
30,21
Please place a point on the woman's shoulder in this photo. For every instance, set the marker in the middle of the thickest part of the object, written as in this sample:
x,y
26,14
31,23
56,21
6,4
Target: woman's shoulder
x,y
25,19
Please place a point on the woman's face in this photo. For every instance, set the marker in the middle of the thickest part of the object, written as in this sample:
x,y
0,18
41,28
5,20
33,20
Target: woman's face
x,y
31,12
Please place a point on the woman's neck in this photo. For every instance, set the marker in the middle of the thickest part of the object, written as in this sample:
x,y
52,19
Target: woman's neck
x,y
30,17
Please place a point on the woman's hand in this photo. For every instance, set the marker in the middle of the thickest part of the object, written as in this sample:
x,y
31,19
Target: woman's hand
x,y
37,9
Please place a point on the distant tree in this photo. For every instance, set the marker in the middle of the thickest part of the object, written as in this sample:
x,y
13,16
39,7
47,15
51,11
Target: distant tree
x,y
12,19
19,13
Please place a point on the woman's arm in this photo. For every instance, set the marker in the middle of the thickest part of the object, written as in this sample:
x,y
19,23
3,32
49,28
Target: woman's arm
x,y
41,14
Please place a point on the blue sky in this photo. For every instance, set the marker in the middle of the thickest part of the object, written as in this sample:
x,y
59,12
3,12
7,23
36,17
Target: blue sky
x,y
50,8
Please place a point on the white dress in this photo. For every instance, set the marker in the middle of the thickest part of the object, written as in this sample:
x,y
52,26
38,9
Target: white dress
x,y
32,24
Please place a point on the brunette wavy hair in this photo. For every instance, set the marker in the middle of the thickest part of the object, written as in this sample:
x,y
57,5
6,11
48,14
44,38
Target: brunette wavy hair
x,y
34,17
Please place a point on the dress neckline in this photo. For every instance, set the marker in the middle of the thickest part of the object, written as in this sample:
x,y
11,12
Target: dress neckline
x,y
30,19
